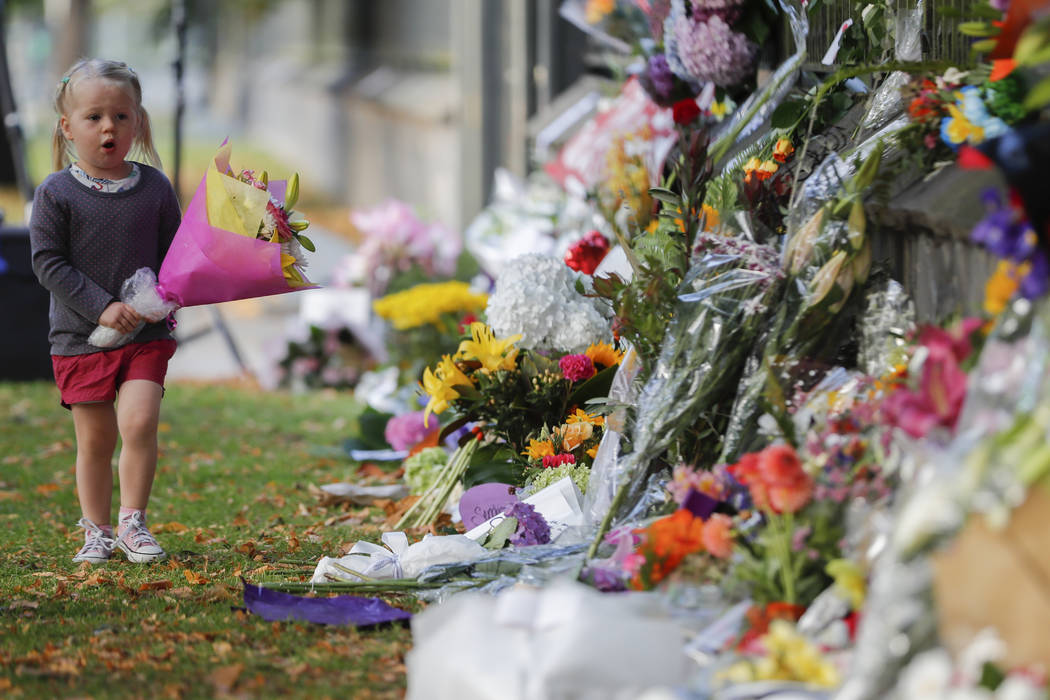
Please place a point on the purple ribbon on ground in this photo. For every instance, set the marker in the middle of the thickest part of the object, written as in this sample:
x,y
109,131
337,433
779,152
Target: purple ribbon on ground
x,y
275,606
700,504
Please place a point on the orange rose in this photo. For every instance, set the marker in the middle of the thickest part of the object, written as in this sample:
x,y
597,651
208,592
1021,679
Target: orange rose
x,y
575,434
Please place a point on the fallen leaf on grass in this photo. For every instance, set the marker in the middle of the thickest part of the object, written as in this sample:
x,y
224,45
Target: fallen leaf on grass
x,y
225,677
173,527
369,469
23,604
47,489
161,585
240,521
194,578
399,510
94,579
10,496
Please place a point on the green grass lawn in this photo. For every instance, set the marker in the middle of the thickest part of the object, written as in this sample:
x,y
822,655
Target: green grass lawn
x,y
231,499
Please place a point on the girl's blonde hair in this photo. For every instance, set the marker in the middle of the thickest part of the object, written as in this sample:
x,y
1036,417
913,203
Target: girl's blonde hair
x,y
117,72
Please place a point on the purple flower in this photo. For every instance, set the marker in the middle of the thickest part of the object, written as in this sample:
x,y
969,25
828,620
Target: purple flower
x,y
707,50
660,78
1037,281
1001,231
605,580
405,431
728,10
1006,233
532,527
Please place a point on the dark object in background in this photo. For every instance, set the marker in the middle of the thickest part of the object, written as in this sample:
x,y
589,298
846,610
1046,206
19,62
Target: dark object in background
x,y
24,351
1021,155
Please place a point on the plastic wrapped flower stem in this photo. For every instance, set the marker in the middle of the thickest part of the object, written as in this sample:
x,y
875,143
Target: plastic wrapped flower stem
x,y
826,259
140,292
719,313
424,511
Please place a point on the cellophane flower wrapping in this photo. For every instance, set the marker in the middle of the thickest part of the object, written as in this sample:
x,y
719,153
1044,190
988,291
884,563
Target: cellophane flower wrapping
x,y
722,306
217,253
826,260
140,293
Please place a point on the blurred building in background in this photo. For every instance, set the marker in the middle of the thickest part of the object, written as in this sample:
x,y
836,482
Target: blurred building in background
x,y
419,100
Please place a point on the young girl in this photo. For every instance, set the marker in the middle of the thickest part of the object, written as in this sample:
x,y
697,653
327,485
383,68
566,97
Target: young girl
x,y
94,222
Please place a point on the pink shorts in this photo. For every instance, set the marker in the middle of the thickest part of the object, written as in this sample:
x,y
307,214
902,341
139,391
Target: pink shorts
x,y
97,375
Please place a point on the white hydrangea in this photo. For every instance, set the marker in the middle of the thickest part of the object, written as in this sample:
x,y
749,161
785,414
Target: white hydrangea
x,y
535,296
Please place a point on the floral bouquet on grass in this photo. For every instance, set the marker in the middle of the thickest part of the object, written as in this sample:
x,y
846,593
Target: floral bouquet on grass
x,y
427,321
515,392
238,239
399,248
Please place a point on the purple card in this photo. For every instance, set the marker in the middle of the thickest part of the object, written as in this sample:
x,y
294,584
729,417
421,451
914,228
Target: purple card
x,y
484,501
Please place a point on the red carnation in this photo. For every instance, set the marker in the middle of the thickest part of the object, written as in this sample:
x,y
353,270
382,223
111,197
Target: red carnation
x,y
576,367
585,255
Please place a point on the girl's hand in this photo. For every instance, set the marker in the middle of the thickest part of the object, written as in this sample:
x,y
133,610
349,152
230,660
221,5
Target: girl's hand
x,y
120,316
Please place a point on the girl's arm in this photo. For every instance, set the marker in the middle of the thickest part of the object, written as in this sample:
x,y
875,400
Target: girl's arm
x,y
49,238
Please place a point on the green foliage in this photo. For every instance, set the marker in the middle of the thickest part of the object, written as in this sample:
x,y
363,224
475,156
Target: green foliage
x,y
493,463
1005,98
722,193
497,539
512,404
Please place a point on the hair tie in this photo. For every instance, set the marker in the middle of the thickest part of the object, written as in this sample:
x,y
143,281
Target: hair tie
x,y
65,80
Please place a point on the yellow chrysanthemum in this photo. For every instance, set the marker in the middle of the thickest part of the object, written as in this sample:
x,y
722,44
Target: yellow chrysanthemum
x,y
790,656
1001,287
581,416
719,110
438,385
593,452
426,303
538,449
493,354
604,354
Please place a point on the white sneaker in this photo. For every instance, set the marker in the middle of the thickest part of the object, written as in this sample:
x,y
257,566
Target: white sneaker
x,y
98,546
136,541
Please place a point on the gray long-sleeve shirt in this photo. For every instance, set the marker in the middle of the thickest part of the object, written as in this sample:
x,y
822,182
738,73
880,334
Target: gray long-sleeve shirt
x,y
85,243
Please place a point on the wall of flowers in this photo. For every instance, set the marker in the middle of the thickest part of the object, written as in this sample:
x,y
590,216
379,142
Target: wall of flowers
x,y
669,424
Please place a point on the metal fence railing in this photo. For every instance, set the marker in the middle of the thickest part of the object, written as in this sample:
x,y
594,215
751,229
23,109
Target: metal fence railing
x,y
941,39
